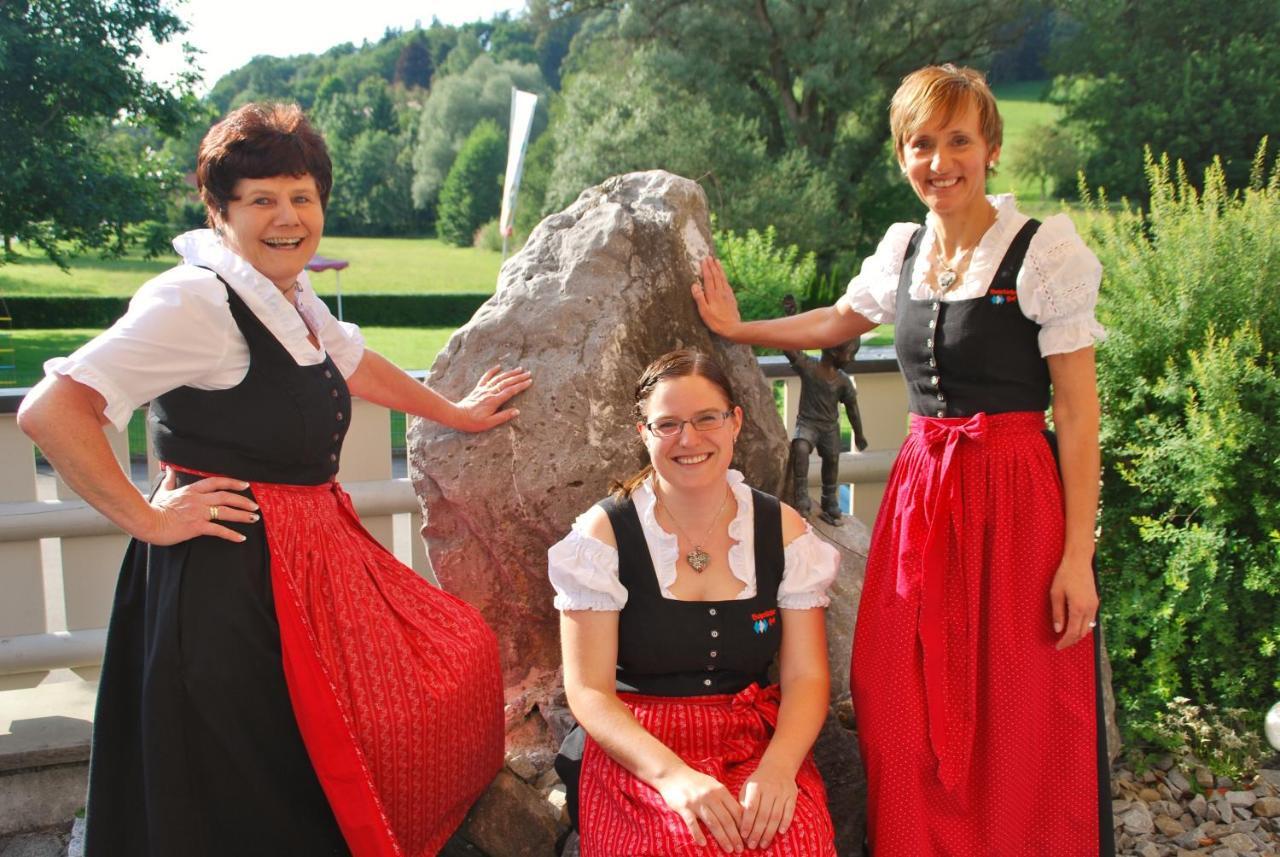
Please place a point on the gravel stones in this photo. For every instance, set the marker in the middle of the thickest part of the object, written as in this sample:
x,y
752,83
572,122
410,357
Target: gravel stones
x,y
1164,813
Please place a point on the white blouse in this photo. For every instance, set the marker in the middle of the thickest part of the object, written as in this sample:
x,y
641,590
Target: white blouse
x,y
584,570
1057,285
179,331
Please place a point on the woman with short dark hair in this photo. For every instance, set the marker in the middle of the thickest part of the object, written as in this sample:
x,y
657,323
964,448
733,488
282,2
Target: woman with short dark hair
x,y
275,682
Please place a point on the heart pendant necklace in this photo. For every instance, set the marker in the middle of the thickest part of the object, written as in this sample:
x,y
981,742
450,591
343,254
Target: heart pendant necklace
x,y
697,558
947,275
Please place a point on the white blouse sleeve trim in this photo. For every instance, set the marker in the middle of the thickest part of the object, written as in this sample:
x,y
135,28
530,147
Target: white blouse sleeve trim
x,y
873,293
584,574
809,568
118,410
1058,288
174,333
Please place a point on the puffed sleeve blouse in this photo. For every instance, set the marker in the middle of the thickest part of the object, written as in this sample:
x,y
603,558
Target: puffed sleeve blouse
x,y
179,331
1057,286
584,570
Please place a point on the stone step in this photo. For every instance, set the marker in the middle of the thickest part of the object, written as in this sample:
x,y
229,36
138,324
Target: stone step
x,y
44,753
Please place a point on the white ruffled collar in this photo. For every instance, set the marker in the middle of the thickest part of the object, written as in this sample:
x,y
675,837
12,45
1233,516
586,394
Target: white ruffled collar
x,y
986,256
664,547
203,247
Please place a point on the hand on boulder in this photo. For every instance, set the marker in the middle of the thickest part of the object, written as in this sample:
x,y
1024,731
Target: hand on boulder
x,y
480,409
714,297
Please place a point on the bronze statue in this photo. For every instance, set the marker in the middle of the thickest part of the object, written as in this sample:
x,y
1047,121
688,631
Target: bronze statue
x,y
824,386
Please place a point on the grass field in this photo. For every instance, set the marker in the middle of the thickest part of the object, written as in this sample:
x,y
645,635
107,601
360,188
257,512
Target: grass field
x,y
378,266
410,347
1022,108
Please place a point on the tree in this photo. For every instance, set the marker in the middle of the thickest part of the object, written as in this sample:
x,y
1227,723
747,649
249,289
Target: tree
x,y
458,103
811,77
1048,155
472,192
70,79
659,126
371,153
1181,77
414,67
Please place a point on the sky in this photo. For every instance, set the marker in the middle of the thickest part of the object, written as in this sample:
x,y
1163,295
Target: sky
x,y
232,32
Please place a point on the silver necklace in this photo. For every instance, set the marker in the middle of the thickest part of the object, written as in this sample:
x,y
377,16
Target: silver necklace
x,y
697,558
947,275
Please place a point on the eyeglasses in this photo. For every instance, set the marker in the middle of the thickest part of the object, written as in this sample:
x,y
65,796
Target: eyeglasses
x,y
670,427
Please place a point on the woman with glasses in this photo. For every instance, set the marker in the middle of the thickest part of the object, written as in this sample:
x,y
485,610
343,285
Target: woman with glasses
x,y
676,593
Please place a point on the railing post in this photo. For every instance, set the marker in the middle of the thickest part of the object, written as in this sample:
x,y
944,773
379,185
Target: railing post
x,y
790,403
366,457
90,564
22,609
882,400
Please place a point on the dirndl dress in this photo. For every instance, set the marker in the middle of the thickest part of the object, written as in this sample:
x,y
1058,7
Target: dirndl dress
x,y
979,737
694,674
301,692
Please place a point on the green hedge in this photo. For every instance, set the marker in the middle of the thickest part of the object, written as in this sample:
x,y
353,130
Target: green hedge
x,y
1189,380
430,310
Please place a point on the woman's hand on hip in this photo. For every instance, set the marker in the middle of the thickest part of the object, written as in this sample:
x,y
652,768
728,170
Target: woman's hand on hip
x,y
768,805
182,513
696,797
1073,601
714,297
479,410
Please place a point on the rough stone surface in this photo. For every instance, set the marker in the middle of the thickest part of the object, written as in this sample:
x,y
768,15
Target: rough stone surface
x,y
836,751
512,819
1109,703
598,291
35,845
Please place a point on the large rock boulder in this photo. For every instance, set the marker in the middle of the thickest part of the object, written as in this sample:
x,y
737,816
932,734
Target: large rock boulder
x,y
599,291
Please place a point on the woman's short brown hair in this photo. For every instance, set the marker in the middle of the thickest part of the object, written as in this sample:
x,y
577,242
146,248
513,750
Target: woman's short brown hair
x,y
260,141
942,91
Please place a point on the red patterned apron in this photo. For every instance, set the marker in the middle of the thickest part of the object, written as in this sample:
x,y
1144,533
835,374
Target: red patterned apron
x,y
723,736
395,683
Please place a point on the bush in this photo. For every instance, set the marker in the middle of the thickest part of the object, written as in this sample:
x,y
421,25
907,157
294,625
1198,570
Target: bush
x,y
1190,390
762,273
488,237
472,191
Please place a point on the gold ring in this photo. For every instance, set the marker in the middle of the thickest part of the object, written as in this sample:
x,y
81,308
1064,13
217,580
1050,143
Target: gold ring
x,y
213,513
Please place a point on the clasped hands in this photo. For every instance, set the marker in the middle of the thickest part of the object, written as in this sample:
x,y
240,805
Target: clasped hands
x,y
763,808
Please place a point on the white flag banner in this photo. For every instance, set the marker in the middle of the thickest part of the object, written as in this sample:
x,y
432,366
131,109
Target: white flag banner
x,y
522,104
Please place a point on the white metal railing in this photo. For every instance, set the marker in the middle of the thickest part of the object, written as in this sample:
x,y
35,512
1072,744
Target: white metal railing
x,y
59,557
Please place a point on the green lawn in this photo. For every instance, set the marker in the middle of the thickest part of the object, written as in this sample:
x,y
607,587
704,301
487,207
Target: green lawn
x,y
410,347
1022,107
378,266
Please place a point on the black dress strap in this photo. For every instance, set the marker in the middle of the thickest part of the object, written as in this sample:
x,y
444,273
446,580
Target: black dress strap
x,y
636,572
769,557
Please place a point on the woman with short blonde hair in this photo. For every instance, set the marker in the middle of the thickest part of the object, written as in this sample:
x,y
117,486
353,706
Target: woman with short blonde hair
x,y
974,702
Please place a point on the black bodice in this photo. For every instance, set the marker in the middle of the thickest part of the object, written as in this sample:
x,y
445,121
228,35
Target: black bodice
x,y
969,356
282,423
668,647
